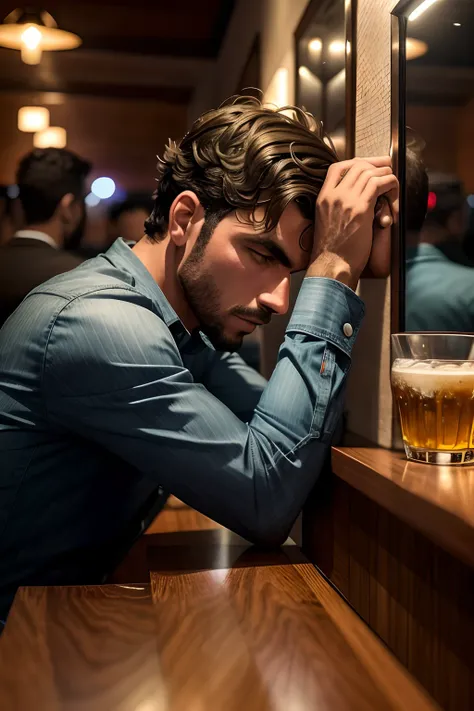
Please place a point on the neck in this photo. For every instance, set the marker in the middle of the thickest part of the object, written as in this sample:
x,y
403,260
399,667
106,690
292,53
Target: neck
x,y
433,234
162,259
51,228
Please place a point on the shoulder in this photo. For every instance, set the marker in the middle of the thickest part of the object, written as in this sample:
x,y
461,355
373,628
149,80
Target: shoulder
x,y
107,334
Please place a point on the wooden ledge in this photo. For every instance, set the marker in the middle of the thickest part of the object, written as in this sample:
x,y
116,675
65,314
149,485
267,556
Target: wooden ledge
x,y
262,635
436,500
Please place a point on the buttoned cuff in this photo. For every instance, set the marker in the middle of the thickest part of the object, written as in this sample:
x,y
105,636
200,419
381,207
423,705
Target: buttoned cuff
x,y
327,309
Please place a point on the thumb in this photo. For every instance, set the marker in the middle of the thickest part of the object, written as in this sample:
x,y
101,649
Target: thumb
x,y
383,217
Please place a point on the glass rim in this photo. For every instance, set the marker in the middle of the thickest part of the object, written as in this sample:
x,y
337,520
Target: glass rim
x,y
433,333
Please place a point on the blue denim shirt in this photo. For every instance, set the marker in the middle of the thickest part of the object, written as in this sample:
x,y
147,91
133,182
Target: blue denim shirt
x,y
107,405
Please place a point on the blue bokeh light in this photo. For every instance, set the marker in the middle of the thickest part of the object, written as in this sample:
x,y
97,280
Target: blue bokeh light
x,y
104,188
92,200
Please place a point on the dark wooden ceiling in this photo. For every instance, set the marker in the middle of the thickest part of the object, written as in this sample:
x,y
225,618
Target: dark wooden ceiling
x,y
177,28
124,43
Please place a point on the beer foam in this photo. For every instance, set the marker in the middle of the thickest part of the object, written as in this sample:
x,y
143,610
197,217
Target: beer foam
x,y
429,376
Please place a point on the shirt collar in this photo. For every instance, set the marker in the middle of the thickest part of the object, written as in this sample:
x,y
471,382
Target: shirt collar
x,y
36,234
424,250
122,256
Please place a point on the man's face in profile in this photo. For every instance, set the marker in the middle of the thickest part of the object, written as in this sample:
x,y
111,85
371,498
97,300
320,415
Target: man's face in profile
x,y
241,277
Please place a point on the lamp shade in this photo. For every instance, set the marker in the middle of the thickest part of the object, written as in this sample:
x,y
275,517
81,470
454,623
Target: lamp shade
x,y
52,137
34,32
33,118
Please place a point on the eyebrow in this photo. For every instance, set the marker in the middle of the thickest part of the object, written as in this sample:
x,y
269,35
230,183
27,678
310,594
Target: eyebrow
x,y
274,249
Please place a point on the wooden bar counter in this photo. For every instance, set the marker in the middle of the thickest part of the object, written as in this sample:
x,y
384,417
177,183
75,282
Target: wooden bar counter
x,y
207,622
396,539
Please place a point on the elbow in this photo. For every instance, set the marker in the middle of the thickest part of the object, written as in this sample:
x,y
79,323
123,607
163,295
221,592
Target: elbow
x,y
268,534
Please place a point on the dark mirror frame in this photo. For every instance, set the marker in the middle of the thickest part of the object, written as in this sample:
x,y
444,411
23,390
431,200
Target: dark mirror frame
x,y
399,31
350,26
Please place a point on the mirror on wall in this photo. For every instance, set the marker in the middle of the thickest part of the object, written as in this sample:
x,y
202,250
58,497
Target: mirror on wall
x,y
437,113
324,75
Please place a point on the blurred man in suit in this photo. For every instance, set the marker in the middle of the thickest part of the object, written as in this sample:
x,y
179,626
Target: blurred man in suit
x,y
51,182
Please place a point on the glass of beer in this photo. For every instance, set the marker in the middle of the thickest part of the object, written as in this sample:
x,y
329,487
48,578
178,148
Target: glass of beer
x,y
433,385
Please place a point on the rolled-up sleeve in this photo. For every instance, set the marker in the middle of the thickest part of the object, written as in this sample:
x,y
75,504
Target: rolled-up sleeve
x,y
114,375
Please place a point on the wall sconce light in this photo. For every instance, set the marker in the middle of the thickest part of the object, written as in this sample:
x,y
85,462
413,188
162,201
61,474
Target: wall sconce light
x,y
52,137
33,32
33,118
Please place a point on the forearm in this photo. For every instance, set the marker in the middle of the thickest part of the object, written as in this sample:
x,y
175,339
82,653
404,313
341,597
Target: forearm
x,y
147,409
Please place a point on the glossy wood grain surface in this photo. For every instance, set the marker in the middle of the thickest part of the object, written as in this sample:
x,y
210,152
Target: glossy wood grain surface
x,y
271,637
436,500
80,649
223,626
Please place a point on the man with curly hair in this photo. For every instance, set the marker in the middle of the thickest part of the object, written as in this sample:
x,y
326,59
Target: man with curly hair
x,y
119,381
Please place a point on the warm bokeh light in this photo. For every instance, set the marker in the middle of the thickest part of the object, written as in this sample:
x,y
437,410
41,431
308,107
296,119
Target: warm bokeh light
x,y
415,48
52,137
315,45
337,47
304,73
33,118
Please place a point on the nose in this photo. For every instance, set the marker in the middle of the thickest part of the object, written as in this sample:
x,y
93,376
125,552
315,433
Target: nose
x,y
277,300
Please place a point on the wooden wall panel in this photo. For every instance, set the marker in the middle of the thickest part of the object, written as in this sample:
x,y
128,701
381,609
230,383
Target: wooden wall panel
x,y
121,137
414,595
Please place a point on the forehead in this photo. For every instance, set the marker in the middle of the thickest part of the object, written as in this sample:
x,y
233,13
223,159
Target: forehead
x,y
290,227
294,230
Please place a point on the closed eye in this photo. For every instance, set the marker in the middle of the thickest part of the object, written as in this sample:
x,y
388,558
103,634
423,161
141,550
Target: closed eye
x,y
261,258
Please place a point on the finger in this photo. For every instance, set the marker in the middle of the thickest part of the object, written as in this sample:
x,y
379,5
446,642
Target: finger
x,y
378,161
339,171
359,181
384,185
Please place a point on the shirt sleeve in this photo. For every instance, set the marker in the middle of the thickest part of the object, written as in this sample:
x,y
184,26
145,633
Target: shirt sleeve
x,y
113,374
231,380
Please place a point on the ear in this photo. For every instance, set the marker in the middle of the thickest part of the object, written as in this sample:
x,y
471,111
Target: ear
x,y
185,212
64,205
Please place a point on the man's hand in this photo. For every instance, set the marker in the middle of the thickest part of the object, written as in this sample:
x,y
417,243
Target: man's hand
x,y
346,227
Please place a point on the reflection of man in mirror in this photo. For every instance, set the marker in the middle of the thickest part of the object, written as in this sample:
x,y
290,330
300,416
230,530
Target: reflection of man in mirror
x,y
440,280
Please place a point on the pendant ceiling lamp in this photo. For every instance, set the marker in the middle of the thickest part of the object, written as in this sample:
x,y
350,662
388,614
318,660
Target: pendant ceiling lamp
x,y
34,31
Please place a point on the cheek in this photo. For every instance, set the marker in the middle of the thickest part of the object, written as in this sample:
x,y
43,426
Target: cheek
x,y
235,280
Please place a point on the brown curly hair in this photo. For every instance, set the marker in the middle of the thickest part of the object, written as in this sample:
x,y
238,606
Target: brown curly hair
x,y
242,157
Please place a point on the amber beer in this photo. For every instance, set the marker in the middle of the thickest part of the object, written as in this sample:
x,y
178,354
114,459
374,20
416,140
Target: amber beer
x,y
436,405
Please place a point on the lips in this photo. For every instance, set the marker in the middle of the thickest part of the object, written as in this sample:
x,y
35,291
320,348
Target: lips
x,y
249,320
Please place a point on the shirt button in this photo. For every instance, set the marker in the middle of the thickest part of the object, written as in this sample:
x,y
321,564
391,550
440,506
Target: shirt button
x,y
348,330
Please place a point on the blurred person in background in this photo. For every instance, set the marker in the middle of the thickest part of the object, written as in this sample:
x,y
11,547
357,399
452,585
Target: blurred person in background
x,y
439,280
11,217
120,382
126,219
5,220
51,185
446,220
